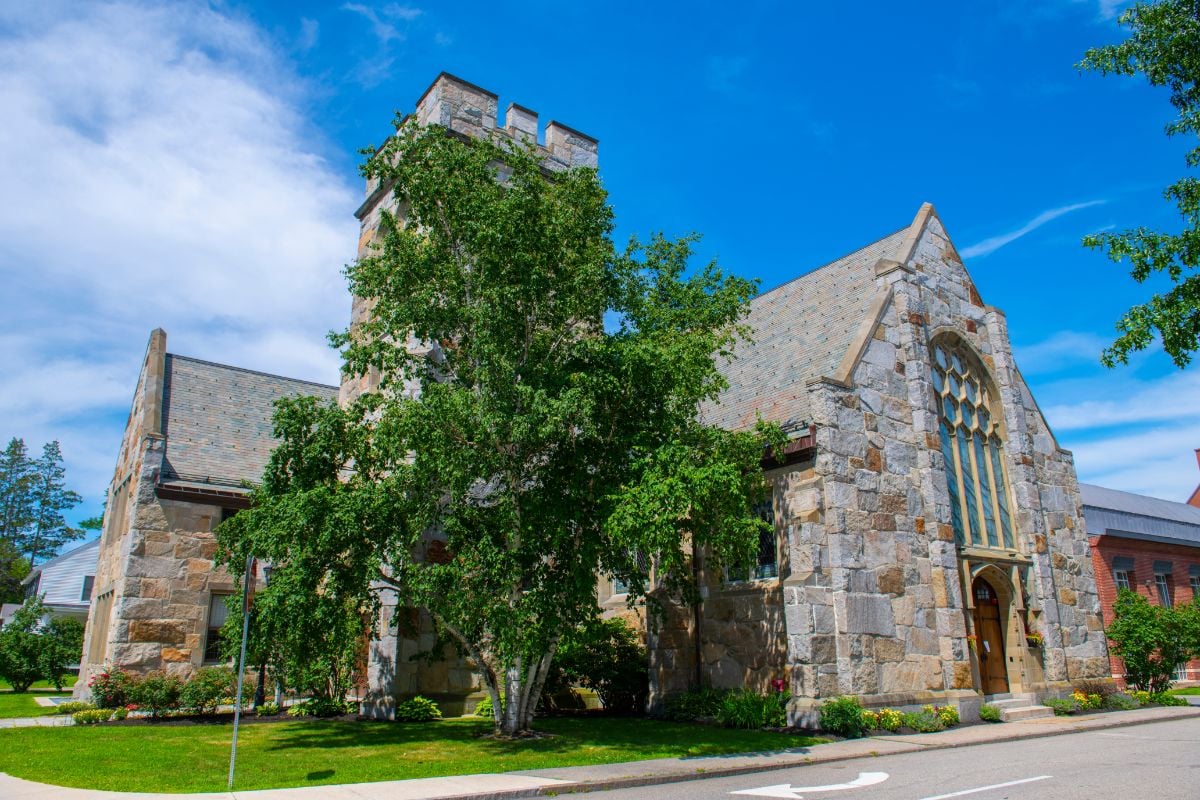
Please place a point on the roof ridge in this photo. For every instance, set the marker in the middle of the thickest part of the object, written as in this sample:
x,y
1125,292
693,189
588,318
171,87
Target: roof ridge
x,y
827,264
250,371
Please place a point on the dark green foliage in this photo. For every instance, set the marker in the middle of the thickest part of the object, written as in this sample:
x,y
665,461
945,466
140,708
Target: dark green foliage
x,y
62,646
158,693
33,497
1163,46
1152,640
697,704
543,447
605,655
1092,686
51,498
843,716
1167,699
418,709
13,569
924,721
21,645
1063,707
747,709
207,689
989,713
267,709
322,707
112,688
485,708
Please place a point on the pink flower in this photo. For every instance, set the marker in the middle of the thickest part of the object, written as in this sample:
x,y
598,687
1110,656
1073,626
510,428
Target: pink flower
x,y
779,683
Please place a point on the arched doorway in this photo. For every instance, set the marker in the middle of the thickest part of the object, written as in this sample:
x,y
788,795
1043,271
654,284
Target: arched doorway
x,y
989,633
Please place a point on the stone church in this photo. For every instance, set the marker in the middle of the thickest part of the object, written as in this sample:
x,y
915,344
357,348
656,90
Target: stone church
x,y
928,546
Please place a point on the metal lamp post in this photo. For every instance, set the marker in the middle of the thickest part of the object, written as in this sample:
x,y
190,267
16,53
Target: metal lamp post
x,y
237,709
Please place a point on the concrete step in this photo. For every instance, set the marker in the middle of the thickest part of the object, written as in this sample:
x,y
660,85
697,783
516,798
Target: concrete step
x,y
1025,712
1010,703
992,698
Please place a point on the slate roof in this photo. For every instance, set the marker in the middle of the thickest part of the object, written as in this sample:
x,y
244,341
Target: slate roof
x,y
1116,513
801,330
217,419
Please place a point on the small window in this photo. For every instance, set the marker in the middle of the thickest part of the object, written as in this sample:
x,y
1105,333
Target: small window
x,y
766,561
217,613
1181,672
88,582
1121,578
1163,583
1194,581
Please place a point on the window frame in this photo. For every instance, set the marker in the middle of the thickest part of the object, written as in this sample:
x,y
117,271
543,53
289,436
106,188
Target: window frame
x,y
1162,585
89,585
970,421
764,509
209,639
1123,579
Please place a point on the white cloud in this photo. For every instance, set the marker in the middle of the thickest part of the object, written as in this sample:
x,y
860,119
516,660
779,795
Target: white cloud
x,y
385,21
994,243
154,171
1173,397
1159,462
1062,349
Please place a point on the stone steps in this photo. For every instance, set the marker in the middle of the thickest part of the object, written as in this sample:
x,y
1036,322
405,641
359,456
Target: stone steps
x,y
1018,707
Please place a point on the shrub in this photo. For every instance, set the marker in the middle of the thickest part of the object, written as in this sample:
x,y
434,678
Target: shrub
x,y
890,719
207,688
21,646
1063,707
924,721
843,716
120,713
1165,699
157,693
698,704
72,706
1142,698
418,709
61,645
267,710
111,689
870,719
947,715
1152,639
322,707
484,708
747,709
607,656
92,716
1095,686
1087,702
1120,702
989,713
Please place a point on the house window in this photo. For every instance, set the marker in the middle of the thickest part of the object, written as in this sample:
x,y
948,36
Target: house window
x,y
972,446
218,611
766,561
1181,672
1121,579
1162,581
1194,582
85,595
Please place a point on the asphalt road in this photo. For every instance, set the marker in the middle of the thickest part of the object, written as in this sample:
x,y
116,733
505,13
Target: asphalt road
x,y
1156,761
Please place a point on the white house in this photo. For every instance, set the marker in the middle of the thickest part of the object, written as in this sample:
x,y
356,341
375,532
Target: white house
x,y
65,583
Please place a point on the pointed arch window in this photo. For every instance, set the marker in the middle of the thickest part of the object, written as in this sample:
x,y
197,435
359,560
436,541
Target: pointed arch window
x,y
972,444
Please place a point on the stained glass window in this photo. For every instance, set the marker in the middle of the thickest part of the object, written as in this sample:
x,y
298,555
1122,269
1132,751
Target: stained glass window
x,y
972,445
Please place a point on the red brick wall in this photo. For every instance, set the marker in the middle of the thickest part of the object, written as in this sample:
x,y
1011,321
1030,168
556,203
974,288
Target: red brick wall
x,y
1144,554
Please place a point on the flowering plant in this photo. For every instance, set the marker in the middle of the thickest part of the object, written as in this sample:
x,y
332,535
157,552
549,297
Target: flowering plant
x,y
778,684
1034,639
972,641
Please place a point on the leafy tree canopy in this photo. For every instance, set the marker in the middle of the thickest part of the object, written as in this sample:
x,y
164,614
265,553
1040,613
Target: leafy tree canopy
x,y
33,497
517,446
1164,46
1152,640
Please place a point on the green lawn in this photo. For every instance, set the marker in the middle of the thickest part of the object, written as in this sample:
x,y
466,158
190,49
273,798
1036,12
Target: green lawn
x,y
1188,690
68,682
22,705
148,758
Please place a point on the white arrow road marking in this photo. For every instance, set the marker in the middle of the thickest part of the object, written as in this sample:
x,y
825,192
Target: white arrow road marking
x,y
793,792
985,788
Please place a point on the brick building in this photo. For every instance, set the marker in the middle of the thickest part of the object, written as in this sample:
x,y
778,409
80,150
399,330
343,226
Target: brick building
x,y
1145,544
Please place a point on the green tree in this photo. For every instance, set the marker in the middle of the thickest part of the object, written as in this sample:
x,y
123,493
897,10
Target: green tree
x,y
13,569
16,494
60,648
518,446
1164,46
1153,640
49,529
21,643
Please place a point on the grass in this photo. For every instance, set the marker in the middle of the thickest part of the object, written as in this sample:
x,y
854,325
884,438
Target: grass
x,y
68,682
164,758
22,705
1190,690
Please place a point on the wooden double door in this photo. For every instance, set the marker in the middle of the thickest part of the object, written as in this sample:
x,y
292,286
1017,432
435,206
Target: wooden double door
x,y
990,621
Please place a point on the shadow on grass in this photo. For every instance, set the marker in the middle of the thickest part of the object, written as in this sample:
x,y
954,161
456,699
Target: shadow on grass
x,y
562,735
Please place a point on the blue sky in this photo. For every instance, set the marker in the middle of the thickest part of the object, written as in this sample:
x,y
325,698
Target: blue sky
x,y
193,166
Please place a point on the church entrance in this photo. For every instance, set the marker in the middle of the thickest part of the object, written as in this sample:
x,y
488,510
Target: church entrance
x,y
989,634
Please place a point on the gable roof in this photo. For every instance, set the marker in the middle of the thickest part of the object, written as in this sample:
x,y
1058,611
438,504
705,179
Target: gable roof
x,y
801,330
217,419
77,552
1136,516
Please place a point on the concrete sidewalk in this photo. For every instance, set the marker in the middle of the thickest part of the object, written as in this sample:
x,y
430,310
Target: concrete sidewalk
x,y
562,780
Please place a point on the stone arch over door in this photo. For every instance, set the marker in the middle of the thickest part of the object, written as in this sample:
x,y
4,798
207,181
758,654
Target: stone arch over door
x,y
992,612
